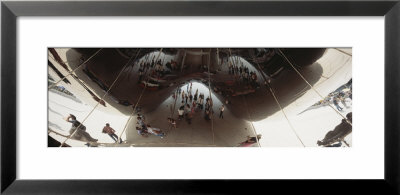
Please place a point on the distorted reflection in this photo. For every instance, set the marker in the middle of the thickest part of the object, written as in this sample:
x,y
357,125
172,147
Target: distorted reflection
x,y
200,97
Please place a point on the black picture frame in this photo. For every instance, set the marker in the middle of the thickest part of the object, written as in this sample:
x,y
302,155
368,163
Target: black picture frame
x,y
10,10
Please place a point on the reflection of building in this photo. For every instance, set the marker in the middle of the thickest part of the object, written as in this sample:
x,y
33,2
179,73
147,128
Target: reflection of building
x,y
148,77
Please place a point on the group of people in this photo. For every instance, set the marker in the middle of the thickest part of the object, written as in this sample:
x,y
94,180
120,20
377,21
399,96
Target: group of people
x,y
146,66
336,98
243,73
192,103
144,129
341,97
157,70
172,65
78,130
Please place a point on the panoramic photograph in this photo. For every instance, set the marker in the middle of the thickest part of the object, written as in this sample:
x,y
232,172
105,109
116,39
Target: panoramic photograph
x,y
199,97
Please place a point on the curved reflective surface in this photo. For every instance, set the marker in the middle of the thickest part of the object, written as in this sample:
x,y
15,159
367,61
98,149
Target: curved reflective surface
x,y
206,97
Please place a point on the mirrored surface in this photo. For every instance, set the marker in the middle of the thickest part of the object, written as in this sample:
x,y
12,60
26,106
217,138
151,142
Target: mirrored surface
x,y
199,97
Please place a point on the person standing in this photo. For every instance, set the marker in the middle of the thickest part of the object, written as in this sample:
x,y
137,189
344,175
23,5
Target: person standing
x,y
172,122
335,102
195,95
221,113
201,103
180,112
193,105
190,97
111,132
79,130
207,114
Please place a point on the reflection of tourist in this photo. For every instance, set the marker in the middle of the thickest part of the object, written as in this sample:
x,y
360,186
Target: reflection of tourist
x,y
140,121
79,130
342,99
172,122
339,133
195,95
221,113
335,102
141,132
155,131
250,141
180,112
207,114
111,132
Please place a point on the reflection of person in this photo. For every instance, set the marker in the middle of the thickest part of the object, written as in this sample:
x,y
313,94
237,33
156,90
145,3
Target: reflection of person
x,y
253,139
141,132
172,122
250,141
180,112
111,132
339,133
79,130
335,102
155,131
140,121
221,113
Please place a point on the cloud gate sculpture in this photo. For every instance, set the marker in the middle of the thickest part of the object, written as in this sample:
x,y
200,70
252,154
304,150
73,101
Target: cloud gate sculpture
x,y
199,97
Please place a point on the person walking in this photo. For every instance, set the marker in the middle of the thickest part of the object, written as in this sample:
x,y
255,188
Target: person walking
x,y
111,132
221,113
